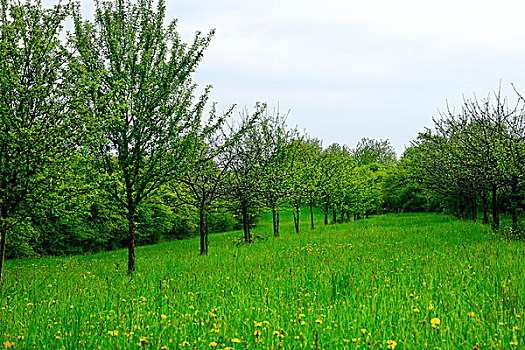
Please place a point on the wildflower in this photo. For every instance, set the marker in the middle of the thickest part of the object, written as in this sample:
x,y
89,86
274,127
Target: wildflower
x,y
430,306
391,344
257,333
318,321
212,314
514,343
363,330
354,340
472,314
236,340
163,316
416,310
213,344
184,343
8,344
113,333
276,333
257,324
435,322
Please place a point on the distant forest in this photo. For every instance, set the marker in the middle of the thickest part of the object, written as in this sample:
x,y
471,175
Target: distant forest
x,y
105,144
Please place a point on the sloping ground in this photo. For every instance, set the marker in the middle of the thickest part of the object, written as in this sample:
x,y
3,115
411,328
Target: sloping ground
x,y
407,281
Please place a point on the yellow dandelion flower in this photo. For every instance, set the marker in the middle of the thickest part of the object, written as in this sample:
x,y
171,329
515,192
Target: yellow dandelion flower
x,y
472,314
213,344
318,321
391,344
113,333
257,333
435,322
363,330
514,343
236,340
163,316
276,333
257,324
416,310
354,340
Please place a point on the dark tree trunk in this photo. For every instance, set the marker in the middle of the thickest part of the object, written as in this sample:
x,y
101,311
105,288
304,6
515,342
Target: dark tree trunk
x,y
495,208
358,216
312,214
326,214
275,215
206,232
246,223
131,240
202,229
342,215
334,215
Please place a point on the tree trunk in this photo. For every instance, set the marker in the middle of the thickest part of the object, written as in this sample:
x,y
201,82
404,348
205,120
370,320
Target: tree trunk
x,y
202,230
334,214
278,232
206,232
2,247
275,222
326,214
312,214
246,223
131,240
342,215
495,208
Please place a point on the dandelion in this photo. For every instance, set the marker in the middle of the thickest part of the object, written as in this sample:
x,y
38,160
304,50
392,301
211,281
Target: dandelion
x,y
435,322
391,344
113,333
514,343
318,321
472,314
276,333
257,324
163,316
213,344
257,333
236,340
354,340
363,330
430,306
416,310
8,344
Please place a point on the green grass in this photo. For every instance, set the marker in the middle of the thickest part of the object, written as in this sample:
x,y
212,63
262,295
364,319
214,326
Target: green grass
x,y
382,282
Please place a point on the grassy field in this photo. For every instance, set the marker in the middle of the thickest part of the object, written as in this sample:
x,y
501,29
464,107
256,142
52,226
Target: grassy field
x,y
409,281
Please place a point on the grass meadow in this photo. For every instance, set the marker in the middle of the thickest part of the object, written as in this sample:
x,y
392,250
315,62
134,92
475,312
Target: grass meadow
x,y
408,281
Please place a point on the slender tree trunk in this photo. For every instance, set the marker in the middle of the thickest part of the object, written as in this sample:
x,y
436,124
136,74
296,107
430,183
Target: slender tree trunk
x,y
206,223
131,240
202,230
275,222
3,244
495,208
474,208
326,214
246,223
342,215
312,215
278,232
334,215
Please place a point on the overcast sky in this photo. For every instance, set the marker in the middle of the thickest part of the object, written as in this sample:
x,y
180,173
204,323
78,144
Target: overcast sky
x,y
353,69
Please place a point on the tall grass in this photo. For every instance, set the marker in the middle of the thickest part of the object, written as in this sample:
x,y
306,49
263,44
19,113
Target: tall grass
x,y
408,281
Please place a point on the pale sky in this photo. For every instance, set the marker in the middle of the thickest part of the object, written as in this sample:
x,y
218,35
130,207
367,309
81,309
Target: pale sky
x,y
353,69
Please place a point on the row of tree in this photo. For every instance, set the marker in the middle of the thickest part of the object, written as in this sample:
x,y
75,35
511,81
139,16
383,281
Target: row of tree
x,y
104,143
102,132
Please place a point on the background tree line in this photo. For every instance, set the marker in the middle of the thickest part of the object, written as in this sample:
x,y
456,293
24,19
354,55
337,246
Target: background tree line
x,y
105,142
